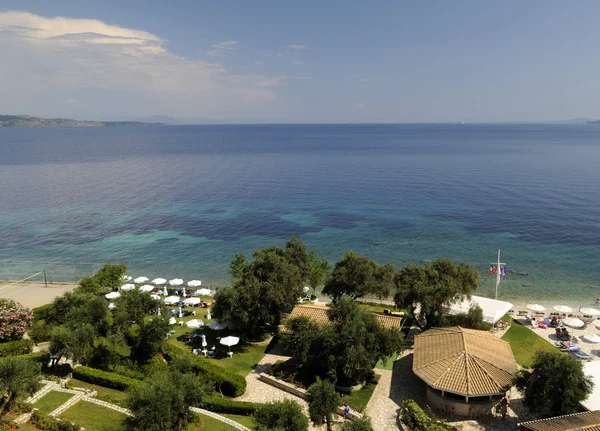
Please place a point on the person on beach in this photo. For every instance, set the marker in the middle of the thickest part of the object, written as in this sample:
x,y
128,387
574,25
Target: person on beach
x,y
504,406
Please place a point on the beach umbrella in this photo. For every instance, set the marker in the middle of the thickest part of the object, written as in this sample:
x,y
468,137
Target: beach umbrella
x,y
126,278
217,326
112,295
573,322
128,287
194,283
111,306
170,300
165,291
140,280
591,338
147,288
194,323
589,311
172,321
208,315
229,341
563,309
180,315
158,281
176,282
192,301
535,307
204,343
306,289
203,292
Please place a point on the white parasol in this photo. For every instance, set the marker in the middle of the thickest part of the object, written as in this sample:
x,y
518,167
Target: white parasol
x,y
194,323
194,283
112,295
128,286
147,288
111,306
140,280
217,326
176,282
208,315
158,281
591,338
192,301
563,309
535,307
229,341
172,321
157,297
179,313
203,292
573,322
183,293
204,343
126,278
170,300
589,311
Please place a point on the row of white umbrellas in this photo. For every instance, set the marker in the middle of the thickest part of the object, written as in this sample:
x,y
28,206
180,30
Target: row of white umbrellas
x,y
563,309
162,281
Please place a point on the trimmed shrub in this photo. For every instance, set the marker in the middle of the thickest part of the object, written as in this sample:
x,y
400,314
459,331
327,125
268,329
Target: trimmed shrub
x,y
416,419
104,378
40,357
15,348
219,404
40,313
227,382
48,423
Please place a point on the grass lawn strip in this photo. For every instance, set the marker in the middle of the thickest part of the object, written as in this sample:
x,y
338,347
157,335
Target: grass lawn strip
x,y
389,365
51,401
247,421
525,343
94,417
210,424
358,400
109,395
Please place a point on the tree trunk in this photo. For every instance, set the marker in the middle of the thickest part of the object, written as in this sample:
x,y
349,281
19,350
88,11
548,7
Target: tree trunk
x,y
328,422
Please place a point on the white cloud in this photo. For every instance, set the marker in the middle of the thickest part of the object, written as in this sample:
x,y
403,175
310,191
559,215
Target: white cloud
x,y
221,48
113,70
297,47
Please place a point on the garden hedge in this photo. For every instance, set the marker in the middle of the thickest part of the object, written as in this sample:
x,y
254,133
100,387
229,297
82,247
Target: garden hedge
x,y
220,404
41,357
15,348
104,378
39,313
227,382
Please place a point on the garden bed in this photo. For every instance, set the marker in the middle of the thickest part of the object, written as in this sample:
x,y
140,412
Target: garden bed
x,y
51,401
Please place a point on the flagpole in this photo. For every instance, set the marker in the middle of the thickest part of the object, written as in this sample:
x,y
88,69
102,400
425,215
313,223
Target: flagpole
x,y
498,272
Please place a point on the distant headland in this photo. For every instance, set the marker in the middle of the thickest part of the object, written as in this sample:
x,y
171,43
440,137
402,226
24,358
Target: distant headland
x,y
28,121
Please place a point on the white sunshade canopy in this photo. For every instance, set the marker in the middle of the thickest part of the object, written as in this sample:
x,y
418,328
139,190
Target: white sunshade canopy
x,y
194,283
139,280
147,288
172,321
126,277
157,297
194,323
176,282
128,287
169,300
562,308
203,292
217,326
111,306
573,322
591,338
192,301
112,295
535,307
493,310
589,311
158,281
592,369
229,341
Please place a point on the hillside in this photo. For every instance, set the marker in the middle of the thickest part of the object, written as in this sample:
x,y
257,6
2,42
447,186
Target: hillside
x,y
27,121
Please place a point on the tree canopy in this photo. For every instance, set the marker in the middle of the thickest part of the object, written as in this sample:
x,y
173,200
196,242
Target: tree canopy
x,y
555,385
109,276
432,287
323,402
284,415
357,276
18,377
318,270
359,424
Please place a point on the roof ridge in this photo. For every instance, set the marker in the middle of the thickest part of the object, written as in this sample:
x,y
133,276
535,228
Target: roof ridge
x,y
467,355
442,359
456,358
476,359
556,417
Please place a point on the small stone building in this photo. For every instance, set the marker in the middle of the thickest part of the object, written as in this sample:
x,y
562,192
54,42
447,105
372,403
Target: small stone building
x,y
465,370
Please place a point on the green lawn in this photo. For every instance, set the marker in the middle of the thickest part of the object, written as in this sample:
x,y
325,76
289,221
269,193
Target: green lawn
x,y
93,417
51,401
358,399
112,396
247,421
389,365
245,357
524,343
209,424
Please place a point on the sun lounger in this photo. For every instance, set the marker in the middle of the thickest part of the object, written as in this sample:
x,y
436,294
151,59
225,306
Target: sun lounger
x,y
572,348
585,356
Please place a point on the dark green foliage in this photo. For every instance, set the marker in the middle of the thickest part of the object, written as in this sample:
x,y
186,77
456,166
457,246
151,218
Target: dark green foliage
x,y
323,402
163,401
41,358
555,385
473,319
359,424
318,270
433,287
219,404
225,381
40,331
357,276
347,350
49,423
17,347
76,343
150,339
110,276
39,313
413,415
18,378
104,378
283,415
236,267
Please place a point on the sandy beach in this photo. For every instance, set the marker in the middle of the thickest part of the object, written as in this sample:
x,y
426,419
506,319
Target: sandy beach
x,y
34,294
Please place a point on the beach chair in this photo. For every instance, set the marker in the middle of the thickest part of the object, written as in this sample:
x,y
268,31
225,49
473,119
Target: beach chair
x,y
584,356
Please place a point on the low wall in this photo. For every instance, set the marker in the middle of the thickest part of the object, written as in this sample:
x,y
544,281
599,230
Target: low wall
x,y
460,408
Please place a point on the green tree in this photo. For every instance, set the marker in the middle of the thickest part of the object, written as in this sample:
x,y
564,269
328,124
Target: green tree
x,y
150,339
284,415
472,319
433,287
555,385
357,276
359,424
109,276
236,267
75,343
323,402
18,378
318,270
163,402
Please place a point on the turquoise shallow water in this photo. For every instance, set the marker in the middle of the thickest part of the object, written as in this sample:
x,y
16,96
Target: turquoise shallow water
x,y
181,201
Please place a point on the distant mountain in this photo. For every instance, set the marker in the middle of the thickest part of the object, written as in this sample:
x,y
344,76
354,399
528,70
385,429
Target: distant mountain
x,y
27,121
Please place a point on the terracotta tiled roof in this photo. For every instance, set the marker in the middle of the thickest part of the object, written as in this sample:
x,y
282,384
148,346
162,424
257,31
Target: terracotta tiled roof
x,y
318,314
464,361
587,421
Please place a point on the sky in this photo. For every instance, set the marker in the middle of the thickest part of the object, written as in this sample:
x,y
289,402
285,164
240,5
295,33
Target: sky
x,y
301,62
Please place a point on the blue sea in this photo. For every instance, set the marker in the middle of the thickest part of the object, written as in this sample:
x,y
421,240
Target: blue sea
x,y
180,201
